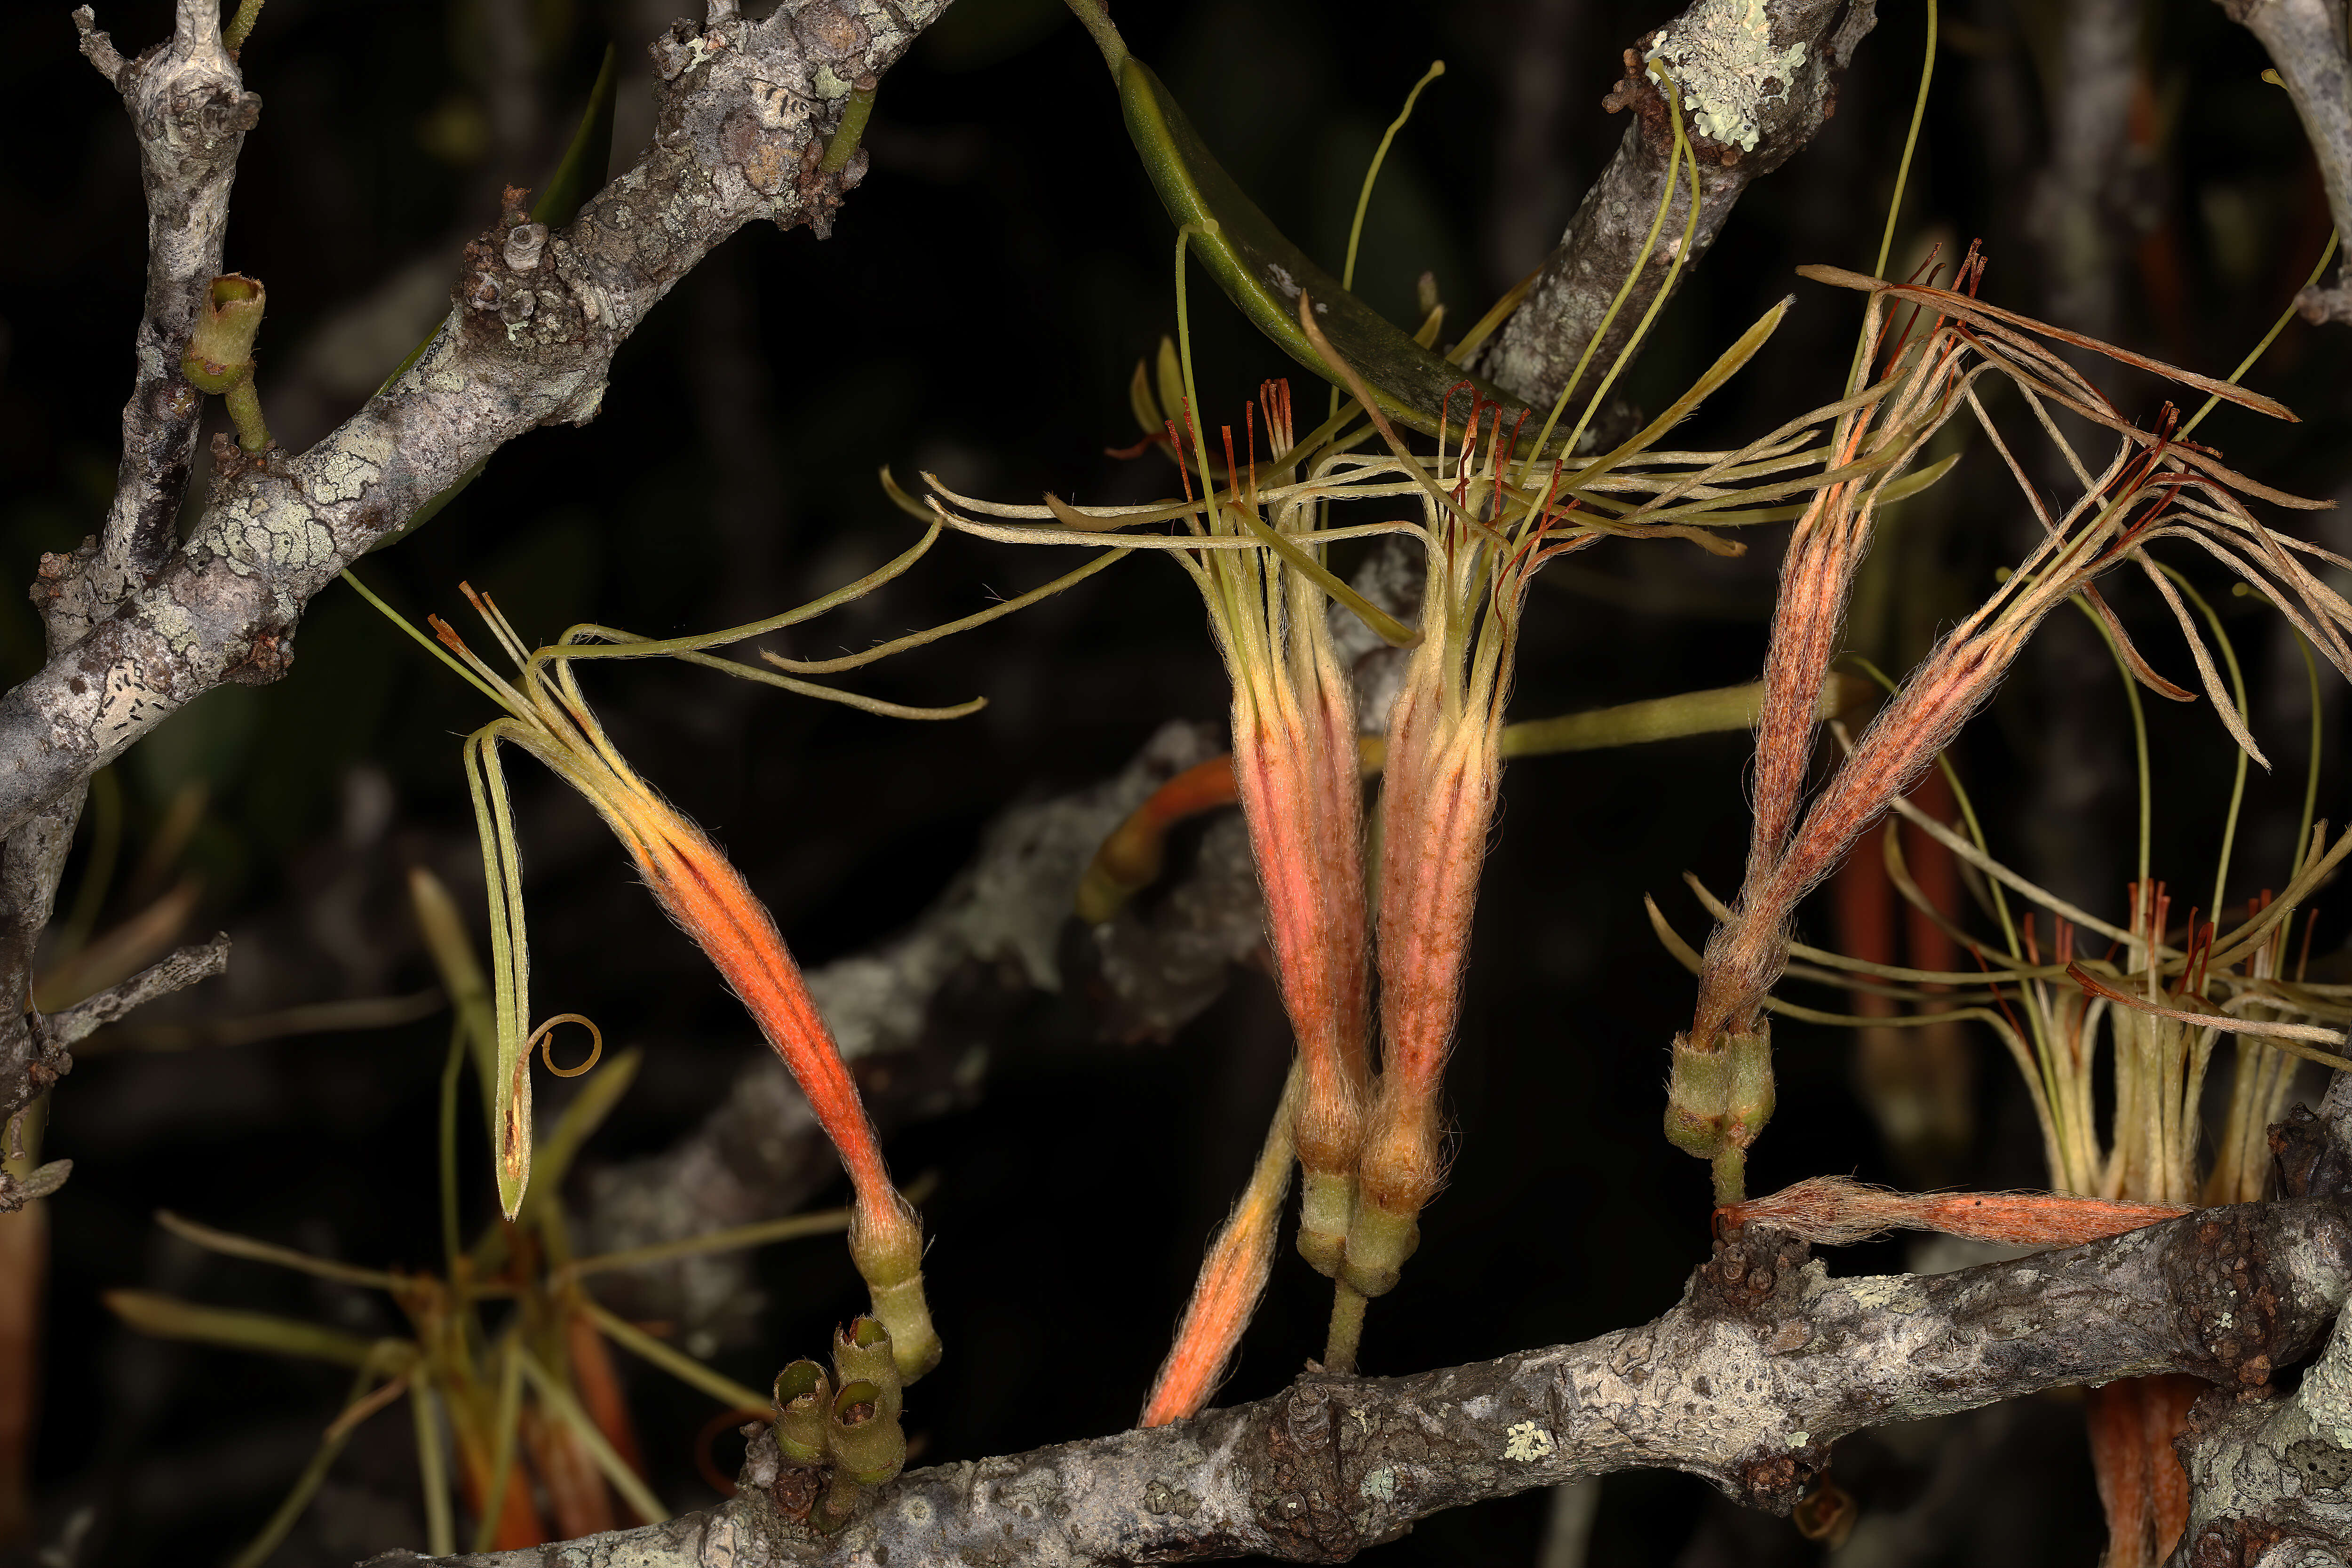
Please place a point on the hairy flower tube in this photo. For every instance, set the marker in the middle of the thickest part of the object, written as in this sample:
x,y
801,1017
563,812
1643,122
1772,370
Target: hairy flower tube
x,y
699,889
2157,485
1232,1278
1296,770
1484,531
1442,769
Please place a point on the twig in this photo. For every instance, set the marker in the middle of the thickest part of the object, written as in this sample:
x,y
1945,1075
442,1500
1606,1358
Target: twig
x,y
1764,1364
518,351
176,971
2306,41
190,112
1760,80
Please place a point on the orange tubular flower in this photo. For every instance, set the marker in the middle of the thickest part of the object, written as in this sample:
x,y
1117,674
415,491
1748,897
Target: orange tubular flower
x,y
1232,1278
1442,769
701,890
2157,485
1295,768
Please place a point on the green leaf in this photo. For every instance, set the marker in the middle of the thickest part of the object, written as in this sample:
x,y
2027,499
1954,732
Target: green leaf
x,y
1263,272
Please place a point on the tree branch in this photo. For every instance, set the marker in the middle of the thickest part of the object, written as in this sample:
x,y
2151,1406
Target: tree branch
x,y
49,1038
176,971
1763,1365
136,633
744,115
1752,96
190,112
2306,43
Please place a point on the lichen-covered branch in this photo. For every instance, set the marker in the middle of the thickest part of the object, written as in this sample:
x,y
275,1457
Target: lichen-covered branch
x,y
1764,1364
2306,43
1758,79
2271,1477
746,108
138,629
190,112
176,971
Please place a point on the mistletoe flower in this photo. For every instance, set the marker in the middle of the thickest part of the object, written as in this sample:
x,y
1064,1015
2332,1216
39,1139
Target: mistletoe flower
x,y
698,887
2157,485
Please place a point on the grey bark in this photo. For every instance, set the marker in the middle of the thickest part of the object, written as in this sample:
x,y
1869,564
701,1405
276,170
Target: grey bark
x,y
1756,82
1746,1381
138,628
190,113
746,110
176,971
2269,1477
2097,194
2306,42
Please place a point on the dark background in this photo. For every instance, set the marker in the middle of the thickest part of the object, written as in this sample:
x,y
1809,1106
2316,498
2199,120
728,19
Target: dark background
x,y
987,293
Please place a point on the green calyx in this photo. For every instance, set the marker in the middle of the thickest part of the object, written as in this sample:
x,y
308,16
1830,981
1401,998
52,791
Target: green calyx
x,y
220,356
903,1311
1718,1098
868,1445
1379,1241
804,1399
1327,1206
862,1353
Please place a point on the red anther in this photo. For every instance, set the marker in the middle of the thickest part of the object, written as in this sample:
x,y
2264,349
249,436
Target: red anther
x,y
1183,473
1445,407
1249,431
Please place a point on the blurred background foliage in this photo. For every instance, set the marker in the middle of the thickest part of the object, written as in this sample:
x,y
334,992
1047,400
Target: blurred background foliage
x,y
978,312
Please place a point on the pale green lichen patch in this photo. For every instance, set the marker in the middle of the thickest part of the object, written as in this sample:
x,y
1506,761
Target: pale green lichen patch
x,y
1721,53
279,536
353,462
1881,1293
1378,1486
1528,1443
